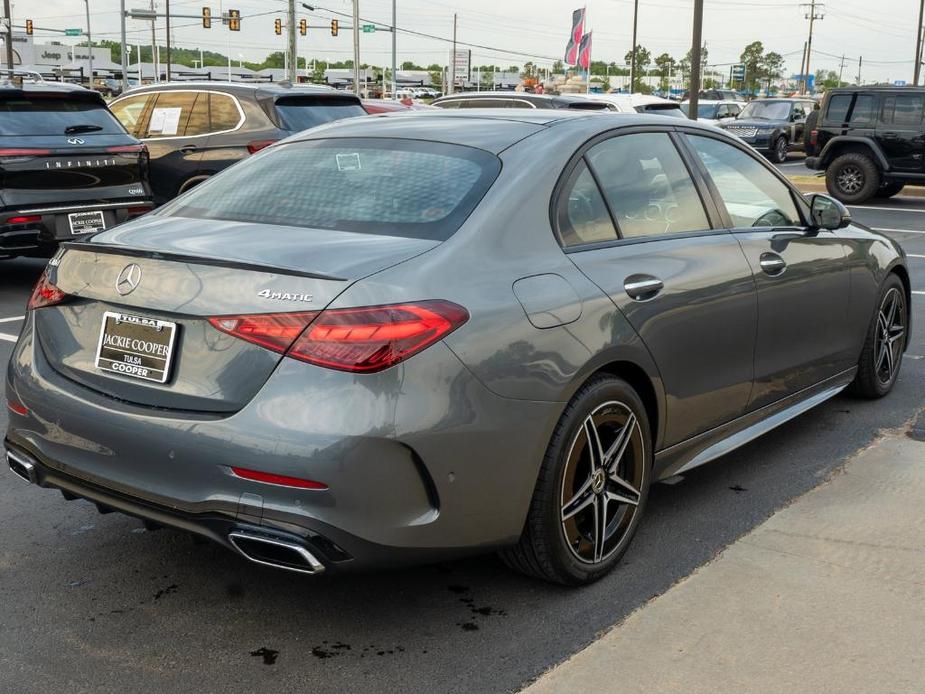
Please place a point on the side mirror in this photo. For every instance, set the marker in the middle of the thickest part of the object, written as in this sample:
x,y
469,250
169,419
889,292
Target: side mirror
x,y
828,213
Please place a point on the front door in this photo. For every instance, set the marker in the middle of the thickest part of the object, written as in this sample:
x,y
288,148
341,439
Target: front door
x,y
900,133
801,275
633,222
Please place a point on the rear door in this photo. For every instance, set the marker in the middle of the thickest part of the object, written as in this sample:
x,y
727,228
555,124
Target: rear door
x,y
174,129
634,222
801,275
899,131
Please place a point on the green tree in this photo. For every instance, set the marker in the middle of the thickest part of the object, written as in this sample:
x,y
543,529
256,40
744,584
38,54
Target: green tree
x,y
558,67
666,65
643,60
753,57
684,65
772,67
409,65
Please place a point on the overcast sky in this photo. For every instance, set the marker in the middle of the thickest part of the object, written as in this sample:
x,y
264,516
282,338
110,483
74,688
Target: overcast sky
x,y
883,33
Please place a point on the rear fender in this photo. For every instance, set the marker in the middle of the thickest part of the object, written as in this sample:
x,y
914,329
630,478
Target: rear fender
x,y
842,143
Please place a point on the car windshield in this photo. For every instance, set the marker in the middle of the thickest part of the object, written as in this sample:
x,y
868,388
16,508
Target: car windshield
x,y
302,112
380,186
766,110
703,110
38,115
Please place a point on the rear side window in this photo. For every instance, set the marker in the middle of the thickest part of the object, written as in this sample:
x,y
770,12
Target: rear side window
x,y
376,186
224,113
864,111
302,112
582,215
38,115
837,111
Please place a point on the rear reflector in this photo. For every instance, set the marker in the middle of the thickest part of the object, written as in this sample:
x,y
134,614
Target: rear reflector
x,y
258,145
283,480
45,294
24,219
17,407
364,340
140,210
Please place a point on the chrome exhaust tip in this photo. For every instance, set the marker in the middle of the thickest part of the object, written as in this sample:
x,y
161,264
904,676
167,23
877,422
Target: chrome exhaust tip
x,y
21,466
278,553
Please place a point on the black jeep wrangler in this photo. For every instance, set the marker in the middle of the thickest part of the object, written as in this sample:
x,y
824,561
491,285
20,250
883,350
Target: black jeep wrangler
x,y
870,141
67,166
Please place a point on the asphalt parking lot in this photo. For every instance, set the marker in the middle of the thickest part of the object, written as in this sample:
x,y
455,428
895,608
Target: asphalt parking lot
x,y
98,602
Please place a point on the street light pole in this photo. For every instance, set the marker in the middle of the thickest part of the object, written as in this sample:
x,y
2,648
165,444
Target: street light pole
x,y
451,84
918,45
9,35
694,99
633,48
394,32
356,47
167,12
124,60
89,40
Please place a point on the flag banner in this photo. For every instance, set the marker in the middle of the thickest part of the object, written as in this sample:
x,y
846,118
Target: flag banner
x,y
584,51
578,27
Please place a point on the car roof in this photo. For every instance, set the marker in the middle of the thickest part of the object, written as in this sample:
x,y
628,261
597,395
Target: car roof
x,y
876,88
264,89
493,130
788,99
41,86
551,98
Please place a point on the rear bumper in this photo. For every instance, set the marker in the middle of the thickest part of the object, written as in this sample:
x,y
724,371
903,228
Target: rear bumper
x,y
42,227
422,462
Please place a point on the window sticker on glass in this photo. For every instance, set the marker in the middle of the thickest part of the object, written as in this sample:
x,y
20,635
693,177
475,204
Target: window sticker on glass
x,y
348,162
165,121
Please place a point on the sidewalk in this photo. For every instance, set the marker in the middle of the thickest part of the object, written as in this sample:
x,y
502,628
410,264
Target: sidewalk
x,y
828,595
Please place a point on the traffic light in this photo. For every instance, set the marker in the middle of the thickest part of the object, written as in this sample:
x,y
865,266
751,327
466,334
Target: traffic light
x,y
333,27
206,18
278,26
303,26
234,20
29,27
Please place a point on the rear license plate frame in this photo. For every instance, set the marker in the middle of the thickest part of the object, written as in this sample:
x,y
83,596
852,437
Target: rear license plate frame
x,y
86,222
132,355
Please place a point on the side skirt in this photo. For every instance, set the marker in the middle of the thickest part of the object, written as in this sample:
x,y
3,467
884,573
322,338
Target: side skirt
x,y
725,438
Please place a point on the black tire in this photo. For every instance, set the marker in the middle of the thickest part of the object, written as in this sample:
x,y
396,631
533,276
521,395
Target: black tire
x,y
553,539
852,178
778,153
888,190
872,379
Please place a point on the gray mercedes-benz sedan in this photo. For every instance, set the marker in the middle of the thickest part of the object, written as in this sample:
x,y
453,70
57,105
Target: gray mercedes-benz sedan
x,y
401,338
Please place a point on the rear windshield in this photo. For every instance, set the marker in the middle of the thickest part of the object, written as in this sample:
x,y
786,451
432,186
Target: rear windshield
x,y
703,110
35,115
670,110
302,112
371,185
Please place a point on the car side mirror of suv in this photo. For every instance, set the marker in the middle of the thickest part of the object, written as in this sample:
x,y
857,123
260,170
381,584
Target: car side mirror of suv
x,y
828,213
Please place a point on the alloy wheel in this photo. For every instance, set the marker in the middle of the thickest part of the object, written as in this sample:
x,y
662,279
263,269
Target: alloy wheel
x,y
602,482
850,179
891,332
781,150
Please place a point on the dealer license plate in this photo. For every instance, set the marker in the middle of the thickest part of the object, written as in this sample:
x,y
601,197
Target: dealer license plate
x,y
136,346
86,222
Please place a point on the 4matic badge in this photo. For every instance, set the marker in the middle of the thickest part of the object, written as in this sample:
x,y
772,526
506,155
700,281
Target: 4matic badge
x,y
284,296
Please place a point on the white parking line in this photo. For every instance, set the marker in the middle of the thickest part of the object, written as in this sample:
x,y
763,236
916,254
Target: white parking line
x,y
8,338
914,255
886,209
915,292
899,231
11,319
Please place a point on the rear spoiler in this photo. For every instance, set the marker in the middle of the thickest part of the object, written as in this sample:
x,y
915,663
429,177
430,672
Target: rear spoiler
x,y
88,246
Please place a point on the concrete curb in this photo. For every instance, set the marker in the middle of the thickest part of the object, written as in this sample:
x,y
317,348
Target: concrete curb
x,y
826,595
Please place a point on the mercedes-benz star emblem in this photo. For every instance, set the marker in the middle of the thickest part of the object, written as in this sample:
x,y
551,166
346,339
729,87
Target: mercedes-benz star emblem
x,y
128,279
75,141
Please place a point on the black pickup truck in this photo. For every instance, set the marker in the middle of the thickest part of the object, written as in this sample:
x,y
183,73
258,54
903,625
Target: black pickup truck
x,y
67,166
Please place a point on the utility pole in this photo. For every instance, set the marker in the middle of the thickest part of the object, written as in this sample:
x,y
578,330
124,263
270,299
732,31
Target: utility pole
x,y
394,74
167,11
451,83
695,61
812,17
89,40
841,68
803,67
293,57
918,45
124,60
860,62
356,47
633,49
9,35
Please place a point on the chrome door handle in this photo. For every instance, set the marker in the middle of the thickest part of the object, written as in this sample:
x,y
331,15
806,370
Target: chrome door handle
x,y
772,264
642,287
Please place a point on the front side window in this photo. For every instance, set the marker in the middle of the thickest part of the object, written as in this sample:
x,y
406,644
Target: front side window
x,y
582,213
903,110
647,186
753,196
374,186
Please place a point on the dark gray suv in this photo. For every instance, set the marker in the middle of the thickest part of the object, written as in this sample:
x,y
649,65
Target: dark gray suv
x,y
193,130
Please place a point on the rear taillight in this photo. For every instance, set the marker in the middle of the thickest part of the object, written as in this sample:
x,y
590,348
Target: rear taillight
x,y
127,149
376,337
45,294
813,136
275,331
23,152
361,340
24,219
139,210
257,145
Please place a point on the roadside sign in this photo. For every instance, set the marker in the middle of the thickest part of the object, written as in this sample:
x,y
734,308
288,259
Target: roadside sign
x,y
369,28
899,83
142,13
737,72
462,64
73,32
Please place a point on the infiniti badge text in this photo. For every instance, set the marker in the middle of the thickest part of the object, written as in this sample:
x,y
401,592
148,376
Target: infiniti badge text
x,y
85,163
